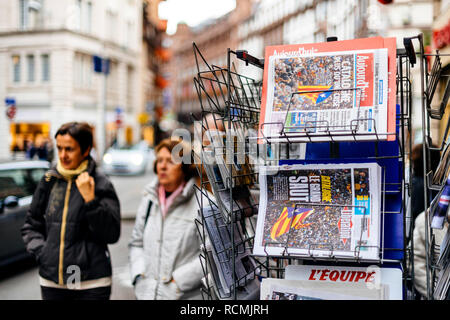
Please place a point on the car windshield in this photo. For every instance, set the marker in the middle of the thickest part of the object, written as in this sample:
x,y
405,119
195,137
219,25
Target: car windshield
x,y
19,182
137,146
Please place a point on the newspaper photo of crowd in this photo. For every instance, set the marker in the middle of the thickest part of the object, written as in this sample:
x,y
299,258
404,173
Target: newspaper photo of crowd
x,y
290,74
319,230
361,177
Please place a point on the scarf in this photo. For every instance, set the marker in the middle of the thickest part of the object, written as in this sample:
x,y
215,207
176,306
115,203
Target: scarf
x,y
166,202
68,173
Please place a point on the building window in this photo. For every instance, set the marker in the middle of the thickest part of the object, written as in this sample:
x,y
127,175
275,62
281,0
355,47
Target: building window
x,y
78,15
130,87
30,12
45,60
30,64
129,34
77,73
16,68
82,71
88,67
23,10
89,17
111,24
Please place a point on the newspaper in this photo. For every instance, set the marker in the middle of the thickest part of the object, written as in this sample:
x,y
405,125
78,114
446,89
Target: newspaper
x,y
372,276
220,236
343,90
441,292
439,207
244,205
323,210
214,284
283,289
342,93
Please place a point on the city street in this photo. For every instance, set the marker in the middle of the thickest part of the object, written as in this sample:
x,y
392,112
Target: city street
x,y
20,281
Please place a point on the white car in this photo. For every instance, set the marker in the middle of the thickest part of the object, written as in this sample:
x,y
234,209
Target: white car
x,y
128,160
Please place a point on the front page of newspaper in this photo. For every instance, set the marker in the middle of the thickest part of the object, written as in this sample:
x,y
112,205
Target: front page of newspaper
x,y
320,210
372,276
312,96
282,289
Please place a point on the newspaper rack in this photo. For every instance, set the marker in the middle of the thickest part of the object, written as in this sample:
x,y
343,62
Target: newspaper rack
x,y
231,100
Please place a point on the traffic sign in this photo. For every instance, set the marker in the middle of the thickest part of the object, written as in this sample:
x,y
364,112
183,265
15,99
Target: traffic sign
x,y
10,101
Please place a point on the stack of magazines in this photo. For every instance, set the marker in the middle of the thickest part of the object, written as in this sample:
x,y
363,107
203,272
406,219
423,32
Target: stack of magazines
x,y
443,169
315,282
220,260
441,291
320,211
439,207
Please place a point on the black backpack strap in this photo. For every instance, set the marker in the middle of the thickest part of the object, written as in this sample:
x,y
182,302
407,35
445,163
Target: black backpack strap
x,y
150,203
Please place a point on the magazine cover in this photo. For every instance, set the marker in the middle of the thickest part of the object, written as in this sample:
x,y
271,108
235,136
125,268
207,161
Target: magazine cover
x,y
320,210
244,205
227,152
283,289
333,87
372,276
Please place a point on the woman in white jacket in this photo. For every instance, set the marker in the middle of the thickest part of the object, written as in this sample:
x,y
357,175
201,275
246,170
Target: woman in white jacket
x,y
165,245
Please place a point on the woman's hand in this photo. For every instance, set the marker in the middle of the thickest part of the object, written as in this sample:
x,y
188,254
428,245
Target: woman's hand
x,y
86,186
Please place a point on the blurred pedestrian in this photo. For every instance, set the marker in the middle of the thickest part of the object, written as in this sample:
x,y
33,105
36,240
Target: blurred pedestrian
x,y
50,150
74,214
42,151
31,150
165,245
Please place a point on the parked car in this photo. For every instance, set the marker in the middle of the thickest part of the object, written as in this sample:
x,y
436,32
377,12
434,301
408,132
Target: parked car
x,y
18,181
128,160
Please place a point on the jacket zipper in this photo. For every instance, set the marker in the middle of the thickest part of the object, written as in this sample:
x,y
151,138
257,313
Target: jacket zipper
x,y
63,233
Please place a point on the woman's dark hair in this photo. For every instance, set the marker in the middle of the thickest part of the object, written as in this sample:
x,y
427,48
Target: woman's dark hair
x,y
189,169
80,131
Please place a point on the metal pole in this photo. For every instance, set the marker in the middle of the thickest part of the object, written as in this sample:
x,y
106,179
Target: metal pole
x,y
101,134
424,150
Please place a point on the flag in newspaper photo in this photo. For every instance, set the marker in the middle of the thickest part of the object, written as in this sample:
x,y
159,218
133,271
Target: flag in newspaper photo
x,y
290,218
321,210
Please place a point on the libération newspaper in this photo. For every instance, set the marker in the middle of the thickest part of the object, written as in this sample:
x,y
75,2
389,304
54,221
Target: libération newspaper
x,y
311,93
320,211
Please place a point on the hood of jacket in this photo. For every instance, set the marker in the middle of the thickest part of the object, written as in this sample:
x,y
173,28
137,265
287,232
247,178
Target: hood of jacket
x,y
91,169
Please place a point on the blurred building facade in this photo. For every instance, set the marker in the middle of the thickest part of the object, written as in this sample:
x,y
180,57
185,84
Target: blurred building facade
x,y
271,22
155,57
212,38
46,66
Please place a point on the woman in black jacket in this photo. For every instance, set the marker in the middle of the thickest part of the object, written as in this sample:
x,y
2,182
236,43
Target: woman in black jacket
x,y
74,214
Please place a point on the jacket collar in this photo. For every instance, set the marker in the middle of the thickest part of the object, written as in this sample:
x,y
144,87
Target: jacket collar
x,y
91,169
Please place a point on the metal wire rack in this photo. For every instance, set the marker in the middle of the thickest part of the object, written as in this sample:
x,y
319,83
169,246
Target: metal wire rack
x,y
229,129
